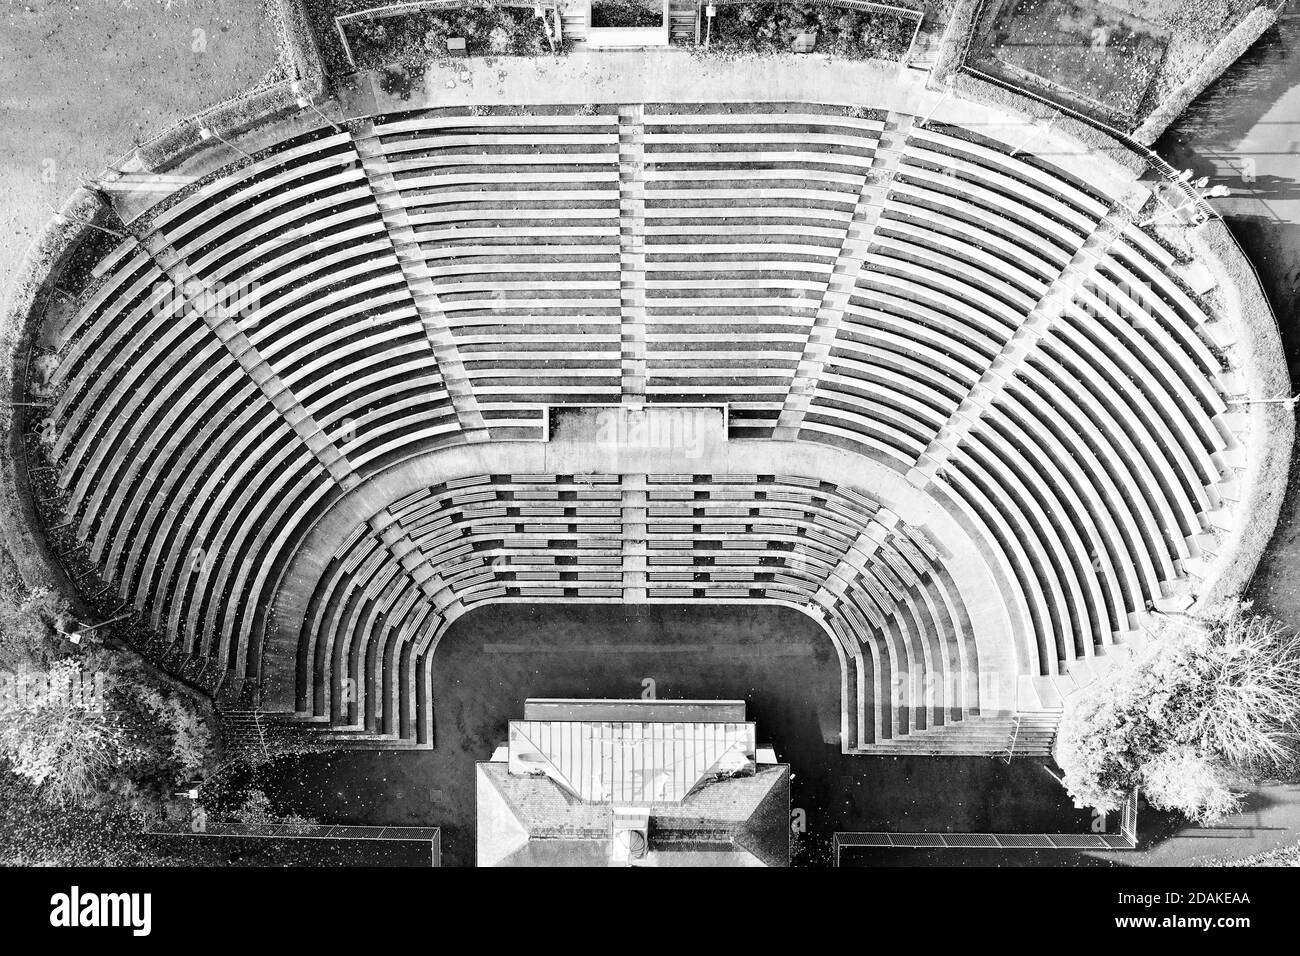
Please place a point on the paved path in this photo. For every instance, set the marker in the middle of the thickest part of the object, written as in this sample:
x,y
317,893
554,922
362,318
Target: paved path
x,y
1269,818
1245,132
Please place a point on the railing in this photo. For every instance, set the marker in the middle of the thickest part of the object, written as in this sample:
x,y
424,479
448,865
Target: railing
x,y
1015,735
300,831
1128,818
1126,839
306,831
1156,162
305,64
123,609
261,734
23,435
870,5
970,34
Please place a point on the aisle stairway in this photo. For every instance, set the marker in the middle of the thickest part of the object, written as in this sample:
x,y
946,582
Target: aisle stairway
x,y
1030,734
683,22
573,23
1001,336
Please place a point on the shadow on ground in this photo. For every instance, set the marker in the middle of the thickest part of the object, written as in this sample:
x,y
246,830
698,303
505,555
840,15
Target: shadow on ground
x,y
778,660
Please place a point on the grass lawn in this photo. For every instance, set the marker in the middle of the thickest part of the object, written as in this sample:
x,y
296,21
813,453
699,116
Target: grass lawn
x,y
1089,48
81,80
1116,60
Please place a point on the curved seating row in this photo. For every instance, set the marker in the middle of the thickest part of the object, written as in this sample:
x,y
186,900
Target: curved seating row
x,y
965,313
880,586
186,476
746,208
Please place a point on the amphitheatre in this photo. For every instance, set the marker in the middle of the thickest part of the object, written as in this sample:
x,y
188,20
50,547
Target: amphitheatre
x,y
972,385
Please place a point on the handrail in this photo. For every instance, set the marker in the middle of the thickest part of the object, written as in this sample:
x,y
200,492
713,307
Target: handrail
x,y
1153,159
1128,818
1160,165
304,66
1015,735
970,34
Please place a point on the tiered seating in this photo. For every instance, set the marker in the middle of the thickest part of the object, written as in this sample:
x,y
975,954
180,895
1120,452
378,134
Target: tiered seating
x,y
799,540
962,250
489,538
330,313
159,436
549,538
518,218
364,624
190,506
999,333
746,209
522,537
1094,467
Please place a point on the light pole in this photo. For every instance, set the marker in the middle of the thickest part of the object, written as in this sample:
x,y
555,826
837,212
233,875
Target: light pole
x,y
1035,133
709,12
1289,402
206,134
306,104
947,92
75,636
60,214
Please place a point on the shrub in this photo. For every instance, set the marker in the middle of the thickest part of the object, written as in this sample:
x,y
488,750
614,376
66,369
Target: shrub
x,y
626,13
1184,779
97,727
256,811
1209,700
30,625
172,737
35,832
59,742
408,41
499,40
771,27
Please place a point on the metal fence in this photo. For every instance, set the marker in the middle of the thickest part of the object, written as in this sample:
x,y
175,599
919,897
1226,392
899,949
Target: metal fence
x,y
308,831
1125,839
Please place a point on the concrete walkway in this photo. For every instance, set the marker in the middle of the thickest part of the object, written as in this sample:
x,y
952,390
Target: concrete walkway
x,y
1244,132
1270,817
